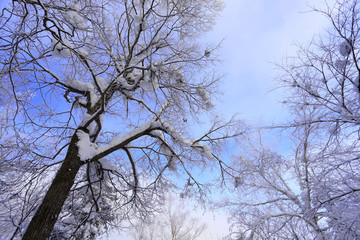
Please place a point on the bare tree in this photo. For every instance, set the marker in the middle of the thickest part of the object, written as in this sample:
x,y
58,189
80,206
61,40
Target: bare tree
x,y
311,194
173,223
274,196
314,193
105,95
325,80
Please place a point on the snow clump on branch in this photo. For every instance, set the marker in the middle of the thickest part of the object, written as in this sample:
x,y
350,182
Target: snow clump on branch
x,y
170,156
61,49
205,97
149,82
83,87
345,48
107,165
87,149
140,21
74,18
341,64
203,150
102,83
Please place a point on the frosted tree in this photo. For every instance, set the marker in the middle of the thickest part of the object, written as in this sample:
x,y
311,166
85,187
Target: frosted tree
x,y
106,95
274,196
325,75
173,222
325,79
314,193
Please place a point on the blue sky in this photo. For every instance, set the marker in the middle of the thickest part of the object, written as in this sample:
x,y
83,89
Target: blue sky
x,y
3,2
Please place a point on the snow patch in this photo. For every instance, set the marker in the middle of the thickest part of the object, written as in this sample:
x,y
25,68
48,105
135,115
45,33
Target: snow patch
x,y
207,53
107,165
290,194
175,134
102,83
120,140
81,86
341,64
61,49
172,165
238,181
345,48
87,149
205,97
177,76
74,18
140,21
83,52
92,126
159,134
203,150
149,82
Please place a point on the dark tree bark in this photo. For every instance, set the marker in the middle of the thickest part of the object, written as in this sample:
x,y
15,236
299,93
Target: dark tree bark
x,y
47,214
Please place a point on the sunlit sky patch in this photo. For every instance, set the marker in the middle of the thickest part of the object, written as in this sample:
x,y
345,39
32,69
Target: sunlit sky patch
x,y
258,34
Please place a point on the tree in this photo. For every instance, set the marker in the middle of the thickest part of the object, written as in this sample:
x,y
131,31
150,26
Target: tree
x,y
105,93
172,223
275,195
325,78
313,194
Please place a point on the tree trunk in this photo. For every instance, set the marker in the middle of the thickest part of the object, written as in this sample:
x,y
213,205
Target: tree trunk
x,y
42,224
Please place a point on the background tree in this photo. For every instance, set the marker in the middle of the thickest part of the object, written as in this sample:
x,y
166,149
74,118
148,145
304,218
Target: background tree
x,y
326,79
315,192
174,223
275,196
105,92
